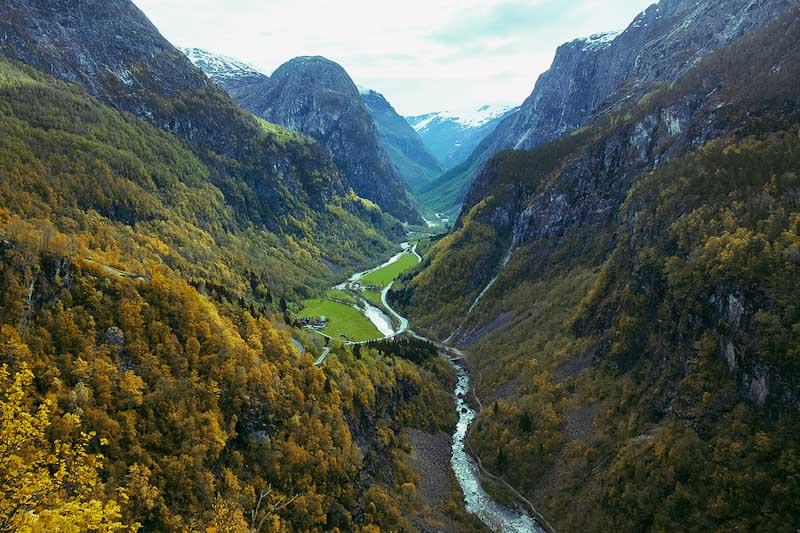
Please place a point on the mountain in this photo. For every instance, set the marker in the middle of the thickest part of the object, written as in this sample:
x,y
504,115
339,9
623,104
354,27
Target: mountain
x,y
405,147
627,292
591,75
265,173
452,136
316,96
226,71
154,241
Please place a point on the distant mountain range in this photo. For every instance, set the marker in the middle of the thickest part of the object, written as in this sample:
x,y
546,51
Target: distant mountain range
x,y
452,136
407,150
397,149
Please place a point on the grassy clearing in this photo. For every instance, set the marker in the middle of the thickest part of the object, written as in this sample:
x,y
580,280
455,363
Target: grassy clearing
x,y
341,296
384,276
341,319
373,297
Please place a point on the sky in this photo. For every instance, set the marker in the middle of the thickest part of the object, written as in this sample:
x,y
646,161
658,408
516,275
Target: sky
x,y
423,55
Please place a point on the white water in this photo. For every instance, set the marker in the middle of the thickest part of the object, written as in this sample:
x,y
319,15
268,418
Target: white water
x,y
477,300
496,516
506,259
379,318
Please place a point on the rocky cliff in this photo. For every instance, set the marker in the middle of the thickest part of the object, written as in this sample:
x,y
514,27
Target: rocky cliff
x,y
638,282
592,75
316,96
113,50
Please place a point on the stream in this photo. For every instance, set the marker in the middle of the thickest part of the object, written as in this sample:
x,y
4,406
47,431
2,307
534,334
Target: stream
x,y
496,516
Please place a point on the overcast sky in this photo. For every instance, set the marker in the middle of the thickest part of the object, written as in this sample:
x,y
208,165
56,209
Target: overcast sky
x,y
423,55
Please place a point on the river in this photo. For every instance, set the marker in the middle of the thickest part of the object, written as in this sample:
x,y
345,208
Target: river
x,y
496,516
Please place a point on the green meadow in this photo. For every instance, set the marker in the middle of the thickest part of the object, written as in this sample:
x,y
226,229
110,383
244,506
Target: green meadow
x,y
341,319
387,274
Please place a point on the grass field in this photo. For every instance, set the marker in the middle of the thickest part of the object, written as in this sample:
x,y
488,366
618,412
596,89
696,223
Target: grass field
x,y
339,295
373,297
341,319
384,276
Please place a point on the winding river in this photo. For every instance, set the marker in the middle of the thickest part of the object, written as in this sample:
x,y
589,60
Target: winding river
x,y
496,516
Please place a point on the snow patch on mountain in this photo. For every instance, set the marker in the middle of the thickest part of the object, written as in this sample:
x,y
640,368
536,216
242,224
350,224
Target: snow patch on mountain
x,y
220,67
472,118
598,40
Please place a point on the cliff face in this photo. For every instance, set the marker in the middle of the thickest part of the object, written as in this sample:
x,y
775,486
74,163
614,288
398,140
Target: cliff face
x,y
406,150
564,203
606,70
316,96
113,50
590,76
102,45
638,281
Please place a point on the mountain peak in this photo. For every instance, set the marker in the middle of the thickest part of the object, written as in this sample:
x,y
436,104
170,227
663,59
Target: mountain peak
x,y
452,135
316,96
597,41
220,67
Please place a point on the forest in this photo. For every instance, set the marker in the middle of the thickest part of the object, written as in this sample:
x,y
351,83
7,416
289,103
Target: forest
x,y
148,380
637,369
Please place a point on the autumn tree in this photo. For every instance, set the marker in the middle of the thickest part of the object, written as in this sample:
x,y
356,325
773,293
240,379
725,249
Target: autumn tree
x,y
44,486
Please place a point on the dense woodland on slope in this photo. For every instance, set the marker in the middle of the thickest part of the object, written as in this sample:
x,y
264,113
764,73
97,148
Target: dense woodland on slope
x,y
110,177
637,358
636,364
197,400
145,379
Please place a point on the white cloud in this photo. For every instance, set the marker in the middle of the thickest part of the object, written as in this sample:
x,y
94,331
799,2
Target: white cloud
x,y
424,55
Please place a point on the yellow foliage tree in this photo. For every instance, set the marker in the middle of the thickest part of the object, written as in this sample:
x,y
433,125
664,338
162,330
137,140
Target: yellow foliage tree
x,y
44,486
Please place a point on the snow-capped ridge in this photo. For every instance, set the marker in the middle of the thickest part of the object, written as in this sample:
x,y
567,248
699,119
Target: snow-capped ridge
x,y
598,41
366,90
219,66
472,118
